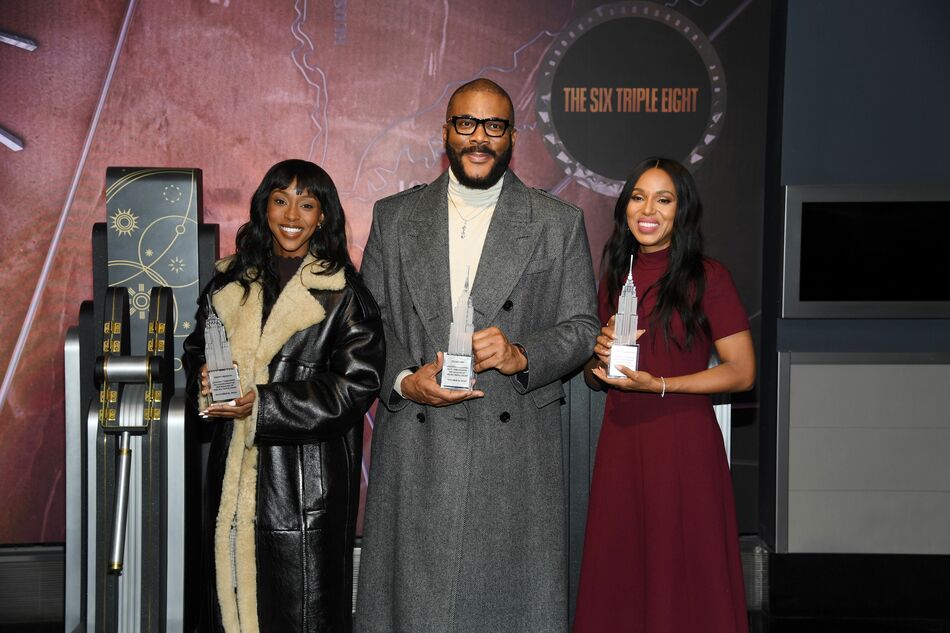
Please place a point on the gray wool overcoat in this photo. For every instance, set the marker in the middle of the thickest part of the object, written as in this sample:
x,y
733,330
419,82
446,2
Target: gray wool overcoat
x,y
464,528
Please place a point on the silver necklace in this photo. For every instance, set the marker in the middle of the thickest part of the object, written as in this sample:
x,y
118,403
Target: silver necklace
x,y
465,220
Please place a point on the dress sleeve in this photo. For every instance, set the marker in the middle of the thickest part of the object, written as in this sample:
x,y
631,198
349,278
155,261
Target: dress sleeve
x,y
721,302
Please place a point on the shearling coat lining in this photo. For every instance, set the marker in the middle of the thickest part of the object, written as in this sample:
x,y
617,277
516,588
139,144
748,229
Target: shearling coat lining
x,y
253,348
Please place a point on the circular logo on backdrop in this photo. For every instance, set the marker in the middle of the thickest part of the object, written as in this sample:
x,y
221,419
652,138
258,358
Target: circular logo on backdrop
x,y
626,81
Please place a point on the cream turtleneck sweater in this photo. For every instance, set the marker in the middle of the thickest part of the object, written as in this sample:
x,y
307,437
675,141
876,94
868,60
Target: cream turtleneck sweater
x,y
470,213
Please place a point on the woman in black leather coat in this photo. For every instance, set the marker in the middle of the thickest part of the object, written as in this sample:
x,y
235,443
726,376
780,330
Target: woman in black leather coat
x,y
283,472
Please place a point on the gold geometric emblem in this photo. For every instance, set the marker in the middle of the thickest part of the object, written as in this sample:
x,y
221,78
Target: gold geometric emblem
x,y
124,222
139,301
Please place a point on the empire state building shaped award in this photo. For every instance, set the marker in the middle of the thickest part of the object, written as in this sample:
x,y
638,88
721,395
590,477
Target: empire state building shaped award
x,y
222,371
625,350
457,361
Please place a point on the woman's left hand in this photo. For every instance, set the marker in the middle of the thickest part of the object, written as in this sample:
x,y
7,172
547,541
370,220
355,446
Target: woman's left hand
x,y
238,408
634,381
605,341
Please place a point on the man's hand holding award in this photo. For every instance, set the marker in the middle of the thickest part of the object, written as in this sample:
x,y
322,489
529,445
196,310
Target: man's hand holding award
x,y
457,370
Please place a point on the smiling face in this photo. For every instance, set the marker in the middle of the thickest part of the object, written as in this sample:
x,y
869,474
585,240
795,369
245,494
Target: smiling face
x,y
293,217
652,210
478,160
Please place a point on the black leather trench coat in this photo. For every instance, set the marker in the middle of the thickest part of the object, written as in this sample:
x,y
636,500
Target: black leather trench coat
x,y
308,433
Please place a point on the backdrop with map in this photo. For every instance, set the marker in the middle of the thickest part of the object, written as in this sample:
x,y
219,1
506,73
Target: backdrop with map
x,y
233,86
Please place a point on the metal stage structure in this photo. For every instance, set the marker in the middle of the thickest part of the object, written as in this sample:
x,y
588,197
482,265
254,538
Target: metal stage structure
x,y
133,511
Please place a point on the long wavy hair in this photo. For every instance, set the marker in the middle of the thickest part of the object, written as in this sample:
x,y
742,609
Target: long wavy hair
x,y
680,289
254,259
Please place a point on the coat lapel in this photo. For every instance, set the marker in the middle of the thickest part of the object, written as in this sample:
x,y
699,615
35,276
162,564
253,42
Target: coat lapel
x,y
424,248
508,247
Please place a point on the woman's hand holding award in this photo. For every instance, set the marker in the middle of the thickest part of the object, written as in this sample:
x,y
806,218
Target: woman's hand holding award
x,y
222,371
625,351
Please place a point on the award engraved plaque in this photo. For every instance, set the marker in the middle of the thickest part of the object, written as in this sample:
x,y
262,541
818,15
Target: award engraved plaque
x,y
625,350
457,361
222,371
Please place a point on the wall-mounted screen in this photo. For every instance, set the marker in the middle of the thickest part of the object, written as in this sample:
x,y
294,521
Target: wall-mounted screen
x,y
859,251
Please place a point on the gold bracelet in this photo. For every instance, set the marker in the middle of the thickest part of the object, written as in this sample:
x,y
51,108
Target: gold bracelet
x,y
663,393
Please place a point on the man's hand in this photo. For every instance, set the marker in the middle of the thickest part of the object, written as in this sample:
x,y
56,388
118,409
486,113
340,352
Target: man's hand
x,y
493,351
423,388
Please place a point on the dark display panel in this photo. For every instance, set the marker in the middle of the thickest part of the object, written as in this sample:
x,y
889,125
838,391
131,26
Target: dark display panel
x,y
875,251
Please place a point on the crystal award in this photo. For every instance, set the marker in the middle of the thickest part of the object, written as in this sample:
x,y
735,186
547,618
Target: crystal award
x,y
625,350
222,371
457,361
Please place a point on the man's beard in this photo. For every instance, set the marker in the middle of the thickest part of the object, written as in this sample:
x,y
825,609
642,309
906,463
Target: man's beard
x,y
497,171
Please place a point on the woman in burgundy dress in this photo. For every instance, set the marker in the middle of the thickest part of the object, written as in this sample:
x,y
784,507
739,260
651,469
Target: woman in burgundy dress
x,y
661,552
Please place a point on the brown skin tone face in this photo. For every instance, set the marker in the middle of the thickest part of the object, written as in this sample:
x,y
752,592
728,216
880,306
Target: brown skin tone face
x,y
480,157
652,210
293,218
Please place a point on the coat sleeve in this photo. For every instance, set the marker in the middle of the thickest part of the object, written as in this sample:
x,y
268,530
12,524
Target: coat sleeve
x,y
331,402
558,350
375,274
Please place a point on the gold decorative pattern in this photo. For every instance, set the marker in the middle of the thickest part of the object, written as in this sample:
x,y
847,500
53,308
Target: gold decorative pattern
x,y
124,222
160,254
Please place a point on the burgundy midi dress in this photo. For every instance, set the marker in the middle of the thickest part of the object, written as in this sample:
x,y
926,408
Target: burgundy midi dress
x,y
661,550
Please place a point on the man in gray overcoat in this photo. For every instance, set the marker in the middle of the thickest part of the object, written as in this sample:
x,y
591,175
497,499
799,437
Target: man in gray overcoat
x,y
464,528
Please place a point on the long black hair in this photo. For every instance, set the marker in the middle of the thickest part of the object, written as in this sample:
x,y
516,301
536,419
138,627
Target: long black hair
x,y
254,256
680,289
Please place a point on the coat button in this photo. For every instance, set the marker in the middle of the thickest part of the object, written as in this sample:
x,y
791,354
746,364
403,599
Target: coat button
x,y
421,417
507,305
505,416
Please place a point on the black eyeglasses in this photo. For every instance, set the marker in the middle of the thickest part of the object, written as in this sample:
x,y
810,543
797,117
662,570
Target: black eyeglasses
x,y
466,125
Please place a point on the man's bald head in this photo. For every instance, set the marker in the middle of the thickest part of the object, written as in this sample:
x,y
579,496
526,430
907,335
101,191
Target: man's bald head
x,y
482,85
